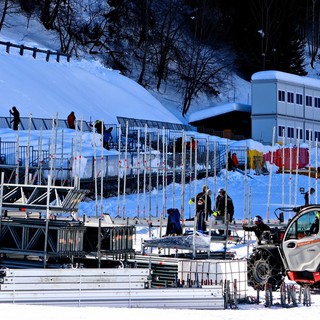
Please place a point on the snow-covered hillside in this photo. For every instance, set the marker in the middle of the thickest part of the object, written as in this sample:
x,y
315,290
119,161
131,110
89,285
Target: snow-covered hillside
x,y
88,88
85,87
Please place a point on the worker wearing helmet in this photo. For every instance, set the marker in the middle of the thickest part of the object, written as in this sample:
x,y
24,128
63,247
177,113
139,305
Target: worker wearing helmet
x,y
218,197
258,228
203,207
315,226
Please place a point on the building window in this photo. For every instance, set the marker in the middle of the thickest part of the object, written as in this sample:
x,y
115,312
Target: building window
x,y
298,98
317,135
317,102
290,132
309,101
299,133
308,135
281,95
281,131
290,97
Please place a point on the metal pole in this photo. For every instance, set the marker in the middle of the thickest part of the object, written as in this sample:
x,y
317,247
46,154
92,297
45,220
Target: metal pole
x,y
283,162
55,148
144,172
183,182
309,168
99,243
215,171
95,172
195,207
101,175
270,175
245,183
119,173
226,218
157,173
17,156
290,177
173,171
297,171
1,200
62,155
40,158
80,152
163,179
125,173
316,177
138,174
190,177
27,159
47,222
150,180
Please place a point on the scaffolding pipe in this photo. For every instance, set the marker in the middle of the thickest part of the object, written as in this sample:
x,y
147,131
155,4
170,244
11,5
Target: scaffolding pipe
x,y
297,171
270,175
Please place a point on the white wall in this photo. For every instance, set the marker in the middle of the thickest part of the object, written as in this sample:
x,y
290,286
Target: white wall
x,y
268,111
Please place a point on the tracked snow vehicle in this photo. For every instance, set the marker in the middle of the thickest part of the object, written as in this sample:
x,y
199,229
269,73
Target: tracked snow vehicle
x,y
292,251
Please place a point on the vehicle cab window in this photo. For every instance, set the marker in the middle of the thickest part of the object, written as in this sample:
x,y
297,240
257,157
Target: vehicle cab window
x,y
305,226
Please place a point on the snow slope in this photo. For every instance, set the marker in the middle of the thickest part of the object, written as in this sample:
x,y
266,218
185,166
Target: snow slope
x,y
46,89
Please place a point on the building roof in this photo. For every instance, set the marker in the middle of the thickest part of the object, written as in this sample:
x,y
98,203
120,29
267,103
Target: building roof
x,y
283,76
218,110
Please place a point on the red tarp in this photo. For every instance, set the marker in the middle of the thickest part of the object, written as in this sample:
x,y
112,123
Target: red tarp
x,y
278,155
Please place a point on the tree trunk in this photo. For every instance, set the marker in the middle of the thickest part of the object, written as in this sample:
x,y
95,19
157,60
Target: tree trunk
x,y
5,8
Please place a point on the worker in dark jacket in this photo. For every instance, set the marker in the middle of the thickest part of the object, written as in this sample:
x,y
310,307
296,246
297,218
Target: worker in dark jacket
x,y
107,137
71,119
221,207
203,207
16,118
258,228
315,226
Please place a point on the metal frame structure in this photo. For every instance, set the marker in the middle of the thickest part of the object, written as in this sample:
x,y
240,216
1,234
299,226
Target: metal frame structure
x,y
29,198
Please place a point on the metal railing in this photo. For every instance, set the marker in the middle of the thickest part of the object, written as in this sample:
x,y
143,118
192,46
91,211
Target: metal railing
x,y
35,51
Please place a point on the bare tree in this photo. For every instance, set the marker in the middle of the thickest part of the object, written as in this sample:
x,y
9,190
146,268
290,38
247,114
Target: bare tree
x,y
49,12
144,37
313,29
169,29
200,70
79,24
4,12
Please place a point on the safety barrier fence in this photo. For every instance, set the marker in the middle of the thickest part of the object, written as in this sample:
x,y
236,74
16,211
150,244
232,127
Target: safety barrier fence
x,y
22,48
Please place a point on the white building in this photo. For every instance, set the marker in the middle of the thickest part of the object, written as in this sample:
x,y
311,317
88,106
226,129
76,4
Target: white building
x,y
288,103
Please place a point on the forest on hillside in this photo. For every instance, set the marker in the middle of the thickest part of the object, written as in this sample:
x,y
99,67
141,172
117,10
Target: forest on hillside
x,y
194,44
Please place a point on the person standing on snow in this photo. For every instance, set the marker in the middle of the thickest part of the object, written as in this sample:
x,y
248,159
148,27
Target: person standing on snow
x,y
71,120
203,207
16,118
107,137
217,200
224,201
235,160
230,162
